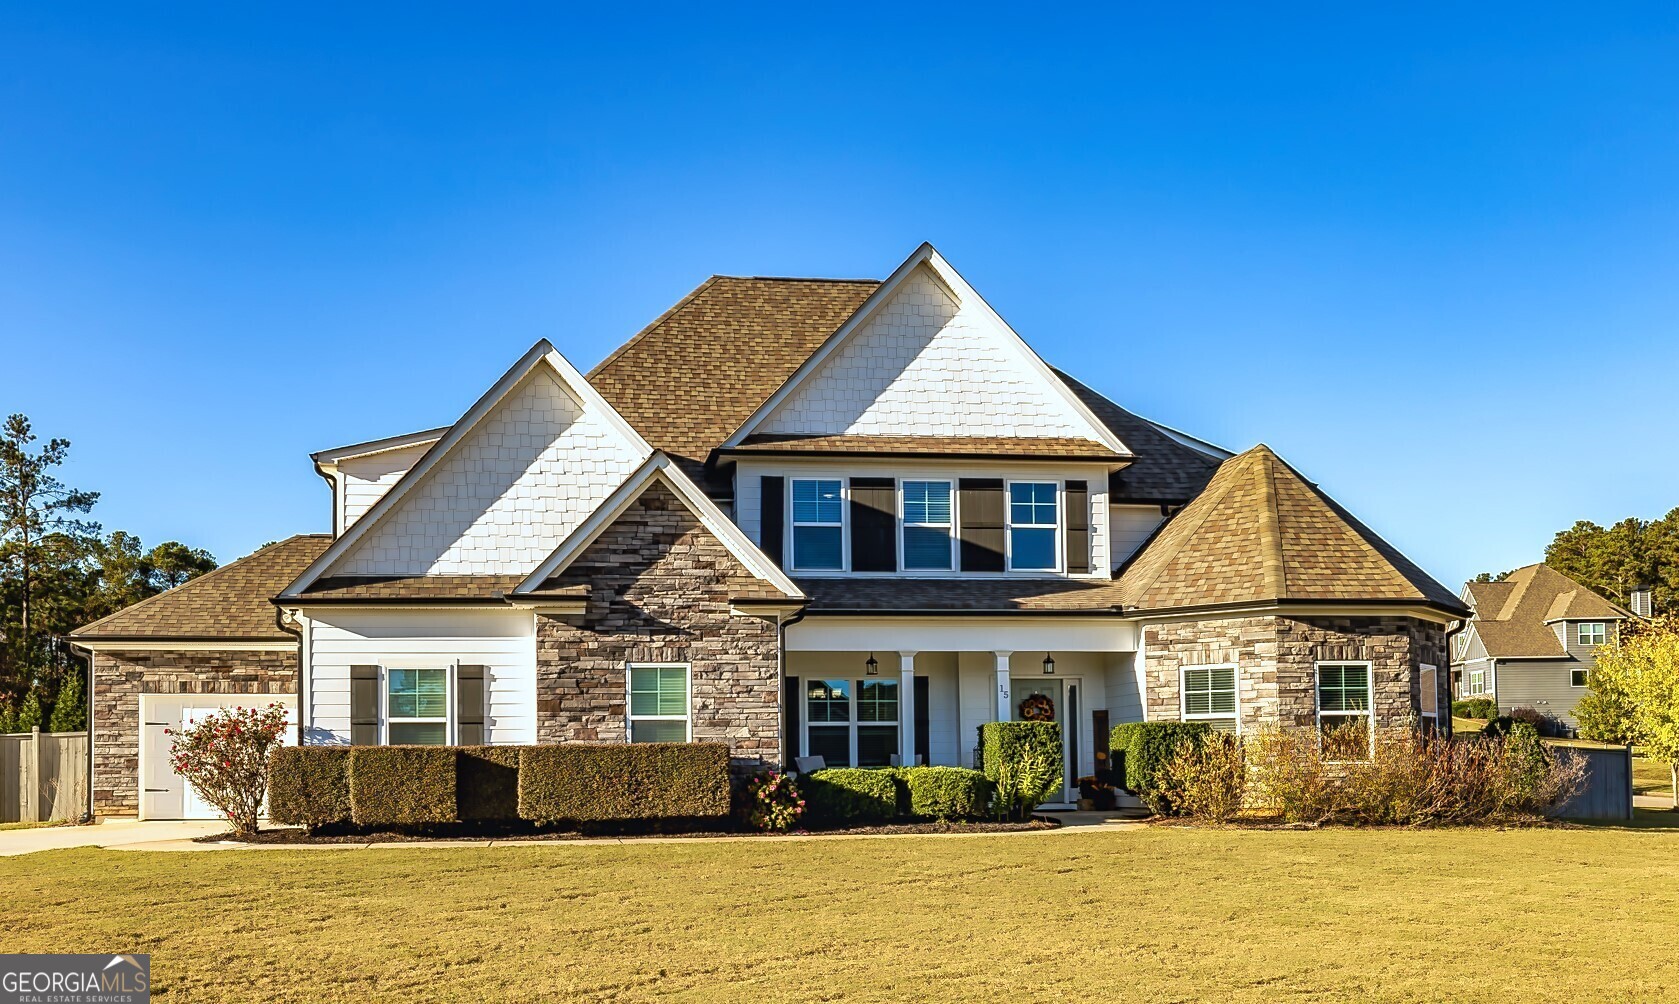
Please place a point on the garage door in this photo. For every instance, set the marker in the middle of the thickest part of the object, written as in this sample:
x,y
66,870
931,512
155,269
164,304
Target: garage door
x,y
163,793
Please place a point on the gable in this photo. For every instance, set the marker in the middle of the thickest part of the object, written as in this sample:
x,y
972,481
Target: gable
x,y
506,493
929,358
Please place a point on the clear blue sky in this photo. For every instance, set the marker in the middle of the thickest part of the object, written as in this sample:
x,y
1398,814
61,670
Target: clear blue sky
x,y
1428,255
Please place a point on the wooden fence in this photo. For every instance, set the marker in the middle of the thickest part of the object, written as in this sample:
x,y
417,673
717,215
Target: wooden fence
x,y
1607,793
43,776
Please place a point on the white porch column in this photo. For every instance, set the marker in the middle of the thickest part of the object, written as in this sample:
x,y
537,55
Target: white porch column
x,y
906,709
1005,706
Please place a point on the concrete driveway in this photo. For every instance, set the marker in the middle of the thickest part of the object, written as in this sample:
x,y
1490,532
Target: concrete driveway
x,y
113,833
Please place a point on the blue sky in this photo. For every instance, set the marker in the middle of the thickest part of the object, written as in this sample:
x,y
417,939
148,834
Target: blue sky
x,y
1429,255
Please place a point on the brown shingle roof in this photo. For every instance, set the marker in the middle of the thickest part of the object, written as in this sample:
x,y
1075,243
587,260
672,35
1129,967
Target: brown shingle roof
x,y
1164,470
229,603
688,380
1016,447
1259,533
1511,615
411,588
958,595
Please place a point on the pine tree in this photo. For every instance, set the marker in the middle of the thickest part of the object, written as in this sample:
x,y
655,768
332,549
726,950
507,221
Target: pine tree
x,y
69,711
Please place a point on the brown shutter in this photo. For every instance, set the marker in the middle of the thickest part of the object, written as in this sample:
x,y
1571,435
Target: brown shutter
x,y
980,502
772,508
364,705
1078,526
874,525
469,705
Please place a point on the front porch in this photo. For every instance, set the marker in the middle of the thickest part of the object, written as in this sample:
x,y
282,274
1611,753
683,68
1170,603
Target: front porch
x,y
886,692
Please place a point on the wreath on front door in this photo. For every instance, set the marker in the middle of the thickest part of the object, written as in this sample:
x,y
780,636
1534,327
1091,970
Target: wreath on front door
x,y
1038,708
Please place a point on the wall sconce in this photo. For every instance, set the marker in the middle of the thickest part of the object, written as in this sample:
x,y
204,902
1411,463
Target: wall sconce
x,y
872,667
1049,665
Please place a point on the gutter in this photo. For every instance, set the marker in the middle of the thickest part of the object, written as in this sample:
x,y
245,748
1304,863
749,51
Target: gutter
x,y
302,666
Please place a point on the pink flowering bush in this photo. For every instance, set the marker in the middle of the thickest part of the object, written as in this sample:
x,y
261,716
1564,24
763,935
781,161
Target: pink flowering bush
x,y
776,802
225,758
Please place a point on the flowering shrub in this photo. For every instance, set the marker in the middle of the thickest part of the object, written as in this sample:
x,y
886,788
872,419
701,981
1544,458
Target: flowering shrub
x,y
226,758
776,802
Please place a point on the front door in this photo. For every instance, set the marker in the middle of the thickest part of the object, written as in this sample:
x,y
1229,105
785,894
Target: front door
x,y
1044,699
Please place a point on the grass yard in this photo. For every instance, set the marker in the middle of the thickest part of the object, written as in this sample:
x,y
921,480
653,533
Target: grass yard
x,y
1651,777
1148,914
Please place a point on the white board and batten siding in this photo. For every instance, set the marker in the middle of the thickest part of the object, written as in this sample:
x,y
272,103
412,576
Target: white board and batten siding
x,y
502,641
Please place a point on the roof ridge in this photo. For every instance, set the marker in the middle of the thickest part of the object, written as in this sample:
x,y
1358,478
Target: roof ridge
x,y
1270,525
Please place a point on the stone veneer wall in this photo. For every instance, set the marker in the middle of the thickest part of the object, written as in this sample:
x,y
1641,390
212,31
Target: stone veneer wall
x,y
1277,658
120,677
660,587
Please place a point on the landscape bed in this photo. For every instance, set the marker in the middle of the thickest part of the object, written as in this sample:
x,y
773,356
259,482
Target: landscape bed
x,y
1141,914
351,835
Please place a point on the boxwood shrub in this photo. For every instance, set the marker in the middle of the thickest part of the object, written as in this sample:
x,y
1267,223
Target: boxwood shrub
x,y
1149,744
845,795
601,782
487,783
947,792
1008,744
309,786
1475,707
402,785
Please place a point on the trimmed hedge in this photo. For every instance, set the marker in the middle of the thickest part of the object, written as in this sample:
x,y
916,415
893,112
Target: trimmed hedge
x,y
1005,749
402,785
1149,744
599,782
836,795
309,786
1475,707
1000,741
487,783
947,792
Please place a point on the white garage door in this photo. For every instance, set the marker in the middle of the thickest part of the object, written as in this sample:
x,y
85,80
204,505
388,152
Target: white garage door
x,y
163,793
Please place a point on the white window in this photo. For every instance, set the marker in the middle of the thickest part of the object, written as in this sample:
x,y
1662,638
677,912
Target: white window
x,y
1033,526
1428,694
1344,719
927,526
852,723
1577,677
1592,633
417,706
818,525
1209,695
659,704
1477,682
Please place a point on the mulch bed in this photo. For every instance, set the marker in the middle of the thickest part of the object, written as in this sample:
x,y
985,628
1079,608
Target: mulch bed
x,y
348,835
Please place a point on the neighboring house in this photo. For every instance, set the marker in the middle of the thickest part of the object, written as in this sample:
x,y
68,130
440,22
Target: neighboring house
x,y
853,519
1530,641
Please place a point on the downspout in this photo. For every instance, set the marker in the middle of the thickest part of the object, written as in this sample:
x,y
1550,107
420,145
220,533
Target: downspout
x,y
87,816
781,627
1447,717
302,666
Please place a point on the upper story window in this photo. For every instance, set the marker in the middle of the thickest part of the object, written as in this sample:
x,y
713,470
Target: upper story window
x,y
818,525
1032,525
1592,633
927,518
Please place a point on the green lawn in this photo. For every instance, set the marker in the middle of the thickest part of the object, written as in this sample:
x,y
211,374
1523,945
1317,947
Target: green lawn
x,y
1144,914
1651,777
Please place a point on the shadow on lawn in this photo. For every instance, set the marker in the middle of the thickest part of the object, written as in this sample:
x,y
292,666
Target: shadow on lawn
x,y
1642,819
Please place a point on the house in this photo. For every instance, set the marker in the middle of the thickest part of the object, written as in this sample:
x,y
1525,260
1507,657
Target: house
x,y
1530,639
854,519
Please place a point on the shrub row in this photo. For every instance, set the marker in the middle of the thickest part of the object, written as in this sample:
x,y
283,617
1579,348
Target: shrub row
x,y
861,795
1147,745
1481,708
416,786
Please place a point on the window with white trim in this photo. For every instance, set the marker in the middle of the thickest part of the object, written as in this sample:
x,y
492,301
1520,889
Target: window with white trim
x,y
1033,525
1344,719
928,519
659,704
1578,677
417,706
1591,632
1477,681
1209,695
818,524
1428,693
852,723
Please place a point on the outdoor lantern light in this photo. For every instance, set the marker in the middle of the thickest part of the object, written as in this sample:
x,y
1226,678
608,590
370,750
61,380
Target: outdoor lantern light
x,y
872,667
1049,665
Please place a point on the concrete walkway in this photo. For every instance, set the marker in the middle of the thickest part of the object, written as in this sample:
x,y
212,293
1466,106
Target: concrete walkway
x,y
113,833
131,835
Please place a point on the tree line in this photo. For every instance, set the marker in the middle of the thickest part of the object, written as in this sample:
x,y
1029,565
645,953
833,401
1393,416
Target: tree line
x,y
60,570
1612,561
